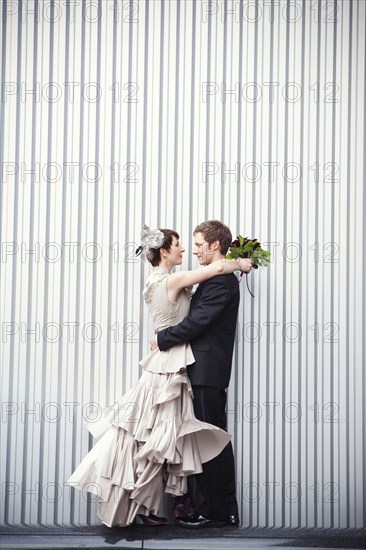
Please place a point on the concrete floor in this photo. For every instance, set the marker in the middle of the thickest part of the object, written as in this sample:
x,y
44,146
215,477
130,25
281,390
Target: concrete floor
x,y
170,537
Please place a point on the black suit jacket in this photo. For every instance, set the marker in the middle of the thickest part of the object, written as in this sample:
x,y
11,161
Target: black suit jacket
x,y
210,328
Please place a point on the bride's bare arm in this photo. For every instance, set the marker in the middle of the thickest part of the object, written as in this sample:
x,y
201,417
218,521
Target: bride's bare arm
x,y
183,279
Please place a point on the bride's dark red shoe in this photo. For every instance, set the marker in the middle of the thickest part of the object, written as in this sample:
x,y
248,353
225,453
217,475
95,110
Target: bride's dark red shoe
x,y
184,506
151,519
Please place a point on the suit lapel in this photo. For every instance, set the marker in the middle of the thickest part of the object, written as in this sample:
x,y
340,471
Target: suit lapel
x,y
195,297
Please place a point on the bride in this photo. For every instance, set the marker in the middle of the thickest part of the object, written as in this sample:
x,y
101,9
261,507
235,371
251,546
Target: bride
x,y
150,440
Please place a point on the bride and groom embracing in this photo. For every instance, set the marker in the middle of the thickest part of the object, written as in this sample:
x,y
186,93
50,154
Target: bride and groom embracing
x,y
175,439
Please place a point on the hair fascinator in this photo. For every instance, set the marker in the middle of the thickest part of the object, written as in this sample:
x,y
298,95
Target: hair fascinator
x,y
150,238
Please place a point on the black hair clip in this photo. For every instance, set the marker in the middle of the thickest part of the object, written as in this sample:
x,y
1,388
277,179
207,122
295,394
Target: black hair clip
x,y
139,250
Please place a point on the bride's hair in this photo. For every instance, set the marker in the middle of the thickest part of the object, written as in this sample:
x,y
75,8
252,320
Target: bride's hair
x,y
153,254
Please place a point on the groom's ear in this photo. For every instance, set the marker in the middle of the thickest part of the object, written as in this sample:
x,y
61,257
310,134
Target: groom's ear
x,y
215,245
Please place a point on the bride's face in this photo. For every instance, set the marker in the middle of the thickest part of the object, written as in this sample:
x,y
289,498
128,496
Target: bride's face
x,y
175,254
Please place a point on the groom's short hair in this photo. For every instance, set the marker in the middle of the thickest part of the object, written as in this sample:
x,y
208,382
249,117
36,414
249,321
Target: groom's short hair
x,y
214,230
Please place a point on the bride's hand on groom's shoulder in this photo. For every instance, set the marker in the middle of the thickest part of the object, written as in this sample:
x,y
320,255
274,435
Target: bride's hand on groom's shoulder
x,y
153,343
245,264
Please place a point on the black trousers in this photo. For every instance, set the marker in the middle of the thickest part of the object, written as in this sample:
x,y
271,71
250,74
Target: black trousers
x,y
217,481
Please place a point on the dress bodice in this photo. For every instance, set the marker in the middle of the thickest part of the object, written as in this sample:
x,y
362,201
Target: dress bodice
x,y
164,313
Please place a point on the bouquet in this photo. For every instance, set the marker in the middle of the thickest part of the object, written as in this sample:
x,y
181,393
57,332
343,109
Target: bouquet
x,y
243,247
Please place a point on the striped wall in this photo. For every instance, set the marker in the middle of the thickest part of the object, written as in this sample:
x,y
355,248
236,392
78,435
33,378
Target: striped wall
x,y
115,113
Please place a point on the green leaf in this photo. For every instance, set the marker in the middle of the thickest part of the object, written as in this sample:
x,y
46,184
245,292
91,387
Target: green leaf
x,y
250,250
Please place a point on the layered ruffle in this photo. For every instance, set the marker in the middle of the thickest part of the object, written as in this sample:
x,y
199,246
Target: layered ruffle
x,y
172,360
148,439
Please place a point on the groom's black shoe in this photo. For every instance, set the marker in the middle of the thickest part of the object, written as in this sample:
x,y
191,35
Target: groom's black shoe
x,y
233,521
199,522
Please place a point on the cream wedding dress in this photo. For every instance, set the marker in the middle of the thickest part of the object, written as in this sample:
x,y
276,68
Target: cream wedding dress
x,y
150,439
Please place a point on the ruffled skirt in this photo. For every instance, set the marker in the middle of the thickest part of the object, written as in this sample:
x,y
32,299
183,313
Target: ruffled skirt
x,y
149,440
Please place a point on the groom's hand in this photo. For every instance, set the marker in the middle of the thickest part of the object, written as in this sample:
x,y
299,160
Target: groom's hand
x,y
153,343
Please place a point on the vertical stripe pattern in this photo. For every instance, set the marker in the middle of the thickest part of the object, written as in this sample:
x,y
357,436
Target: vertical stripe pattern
x,y
116,113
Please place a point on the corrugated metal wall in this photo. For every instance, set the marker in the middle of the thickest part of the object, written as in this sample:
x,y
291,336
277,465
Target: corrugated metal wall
x,y
116,113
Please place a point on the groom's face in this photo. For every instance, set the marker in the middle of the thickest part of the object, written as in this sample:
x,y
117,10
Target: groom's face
x,y
204,251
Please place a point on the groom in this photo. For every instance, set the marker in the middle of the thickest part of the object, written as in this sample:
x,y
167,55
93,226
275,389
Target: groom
x,y
210,329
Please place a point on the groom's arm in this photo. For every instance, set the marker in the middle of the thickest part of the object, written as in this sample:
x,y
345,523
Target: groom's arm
x,y
215,295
